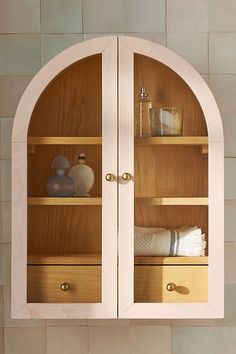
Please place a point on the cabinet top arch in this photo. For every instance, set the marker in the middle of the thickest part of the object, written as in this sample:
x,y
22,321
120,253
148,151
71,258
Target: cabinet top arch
x,y
136,45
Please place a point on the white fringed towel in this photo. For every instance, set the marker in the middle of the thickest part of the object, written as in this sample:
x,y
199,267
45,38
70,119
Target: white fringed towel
x,y
185,241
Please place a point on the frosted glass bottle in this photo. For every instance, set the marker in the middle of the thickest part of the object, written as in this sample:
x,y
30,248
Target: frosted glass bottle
x,y
83,177
142,119
60,185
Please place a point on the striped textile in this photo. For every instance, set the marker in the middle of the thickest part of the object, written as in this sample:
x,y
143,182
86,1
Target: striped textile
x,y
185,241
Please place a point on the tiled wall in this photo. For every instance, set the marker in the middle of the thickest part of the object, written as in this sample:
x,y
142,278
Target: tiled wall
x,y
203,32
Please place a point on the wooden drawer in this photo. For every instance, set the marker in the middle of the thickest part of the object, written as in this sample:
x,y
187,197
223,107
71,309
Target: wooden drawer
x,y
44,284
191,283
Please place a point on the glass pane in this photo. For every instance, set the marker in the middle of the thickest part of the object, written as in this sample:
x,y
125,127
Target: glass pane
x,y
65,188
171,188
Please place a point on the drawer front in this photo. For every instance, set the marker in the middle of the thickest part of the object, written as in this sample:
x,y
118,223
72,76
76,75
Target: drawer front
x,y
45,284
185,284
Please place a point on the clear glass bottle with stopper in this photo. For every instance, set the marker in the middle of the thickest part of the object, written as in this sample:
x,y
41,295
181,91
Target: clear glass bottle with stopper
x,y
142,120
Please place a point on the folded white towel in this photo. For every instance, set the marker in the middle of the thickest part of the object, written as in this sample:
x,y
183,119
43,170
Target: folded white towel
x,y
185,241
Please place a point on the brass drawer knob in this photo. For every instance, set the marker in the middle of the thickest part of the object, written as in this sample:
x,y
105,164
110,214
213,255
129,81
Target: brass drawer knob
x,y
110,177
126,176
170,287
65,286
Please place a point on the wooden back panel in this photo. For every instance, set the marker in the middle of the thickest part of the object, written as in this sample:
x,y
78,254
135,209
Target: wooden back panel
x,y
64,229
72,104
170,171
168,89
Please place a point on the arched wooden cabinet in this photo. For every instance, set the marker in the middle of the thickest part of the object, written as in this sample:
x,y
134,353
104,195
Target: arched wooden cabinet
x,y
74,257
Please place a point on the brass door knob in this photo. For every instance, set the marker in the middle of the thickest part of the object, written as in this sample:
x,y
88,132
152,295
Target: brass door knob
x,y
65,286
126,176
170,287
110,177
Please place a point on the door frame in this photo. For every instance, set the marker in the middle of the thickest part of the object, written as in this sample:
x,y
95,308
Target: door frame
x,y
108,307
127,308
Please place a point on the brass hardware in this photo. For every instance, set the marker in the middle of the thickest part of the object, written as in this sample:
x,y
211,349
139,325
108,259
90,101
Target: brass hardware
x,y
110,177
65,286
126,176
170,286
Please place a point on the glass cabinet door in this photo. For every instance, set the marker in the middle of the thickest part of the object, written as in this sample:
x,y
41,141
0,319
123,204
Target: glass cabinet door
x,y
163,192
72,189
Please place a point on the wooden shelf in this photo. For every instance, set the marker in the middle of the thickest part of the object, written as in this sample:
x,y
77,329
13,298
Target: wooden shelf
x,y
172,140
64,201
75,259
95,259
64,140
160,140
173,201
98,201
171,260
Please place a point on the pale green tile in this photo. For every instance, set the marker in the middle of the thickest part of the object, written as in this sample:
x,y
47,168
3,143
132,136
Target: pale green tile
x,y
11,90
19,54
69,340
25,340
193,47
222,15
224,90
5,134
144,16
5,224
222,53
5,180
230,178
230,262
197,340
111,339
53,44
20,16
230,223
61,16
103,16
229,124
187,16
150,339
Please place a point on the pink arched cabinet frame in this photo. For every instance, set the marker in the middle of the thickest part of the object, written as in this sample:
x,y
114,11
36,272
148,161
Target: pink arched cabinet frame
x,y
118,52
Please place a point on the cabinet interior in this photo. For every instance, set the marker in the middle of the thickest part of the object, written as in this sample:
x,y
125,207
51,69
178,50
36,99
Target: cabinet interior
x,y
175,174
71,106
61,234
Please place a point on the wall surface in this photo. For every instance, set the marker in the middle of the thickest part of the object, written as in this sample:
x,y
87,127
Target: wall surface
x,y
203,32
